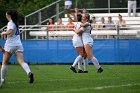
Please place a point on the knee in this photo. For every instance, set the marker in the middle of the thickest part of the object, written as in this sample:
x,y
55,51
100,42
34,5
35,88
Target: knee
x,y
4,62
21,62
84,56
90,56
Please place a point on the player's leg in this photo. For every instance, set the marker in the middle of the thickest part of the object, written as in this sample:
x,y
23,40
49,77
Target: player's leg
x,y
85,61
19,56
88,50
6,57
78,58
80,67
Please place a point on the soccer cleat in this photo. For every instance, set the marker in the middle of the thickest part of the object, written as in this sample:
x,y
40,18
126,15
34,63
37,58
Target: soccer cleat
x,y
80,71
31,77
85,72
73,69
100,70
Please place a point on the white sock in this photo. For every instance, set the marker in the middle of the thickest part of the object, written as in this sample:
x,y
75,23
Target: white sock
x,y
95,62
85,64
79,58
26,68
3,72
80,65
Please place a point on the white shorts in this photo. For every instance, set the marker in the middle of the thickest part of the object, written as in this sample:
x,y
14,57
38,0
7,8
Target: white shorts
x,y
68,4
77,41
13,49
87,39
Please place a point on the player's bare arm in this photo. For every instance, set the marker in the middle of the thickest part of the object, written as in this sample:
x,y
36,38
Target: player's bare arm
x,y
85,24
8,32
78,31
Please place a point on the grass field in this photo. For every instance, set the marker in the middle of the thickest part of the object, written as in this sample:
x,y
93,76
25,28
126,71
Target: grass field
x,y
60,79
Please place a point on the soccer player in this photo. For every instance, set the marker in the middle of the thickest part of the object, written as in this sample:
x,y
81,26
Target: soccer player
x,y
78,44
13,45
68,4
88,42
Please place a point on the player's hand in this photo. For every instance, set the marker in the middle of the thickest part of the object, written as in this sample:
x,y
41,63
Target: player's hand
x,y
3,33
82,25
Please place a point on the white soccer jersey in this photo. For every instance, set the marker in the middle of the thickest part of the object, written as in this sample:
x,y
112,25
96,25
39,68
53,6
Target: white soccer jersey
x,y
86,36
77,39
14,38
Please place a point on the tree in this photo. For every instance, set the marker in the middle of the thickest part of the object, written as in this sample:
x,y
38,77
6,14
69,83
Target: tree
x,y
23,7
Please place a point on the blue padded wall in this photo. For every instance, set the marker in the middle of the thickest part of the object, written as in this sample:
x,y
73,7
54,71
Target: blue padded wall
x,y
62,51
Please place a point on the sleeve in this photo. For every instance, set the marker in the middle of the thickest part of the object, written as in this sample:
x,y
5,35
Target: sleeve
x,y
10,26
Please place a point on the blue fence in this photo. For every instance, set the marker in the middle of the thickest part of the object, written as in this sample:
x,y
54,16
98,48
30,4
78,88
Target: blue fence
x,y
62,51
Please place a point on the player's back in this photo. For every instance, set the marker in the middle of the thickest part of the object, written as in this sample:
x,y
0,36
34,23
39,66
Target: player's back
x,y
14,38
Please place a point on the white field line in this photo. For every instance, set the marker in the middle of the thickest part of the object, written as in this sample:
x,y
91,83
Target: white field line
x,y
66,79
92,88
14,82
83,89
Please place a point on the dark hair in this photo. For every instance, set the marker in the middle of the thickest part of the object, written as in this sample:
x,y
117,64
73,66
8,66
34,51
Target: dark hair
x,y
79,17
110,17
14,16
48,23
88,17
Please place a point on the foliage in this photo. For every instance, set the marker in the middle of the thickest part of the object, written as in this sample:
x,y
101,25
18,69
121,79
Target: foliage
x,y
24,7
